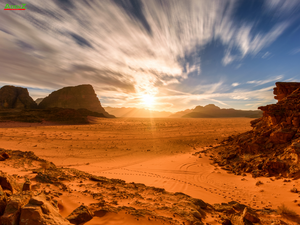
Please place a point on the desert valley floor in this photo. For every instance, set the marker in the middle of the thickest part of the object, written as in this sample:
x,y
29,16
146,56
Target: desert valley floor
x,y
156,152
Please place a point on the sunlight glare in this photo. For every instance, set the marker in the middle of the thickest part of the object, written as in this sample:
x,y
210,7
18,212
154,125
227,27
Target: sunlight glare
x,y
148,100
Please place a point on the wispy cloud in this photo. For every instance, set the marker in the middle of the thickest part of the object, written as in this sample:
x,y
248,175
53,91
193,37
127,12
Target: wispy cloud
x,y
295,51
282,6
261,82
266,55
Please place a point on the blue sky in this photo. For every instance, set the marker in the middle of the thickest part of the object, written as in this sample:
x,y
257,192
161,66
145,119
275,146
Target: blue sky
x,y
175,54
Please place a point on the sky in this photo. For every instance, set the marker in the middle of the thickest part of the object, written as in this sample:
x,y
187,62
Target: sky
x,y
160,54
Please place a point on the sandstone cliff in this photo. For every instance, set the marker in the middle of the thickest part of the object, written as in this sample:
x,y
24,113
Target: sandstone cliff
x,y
273,146
78,97
15,98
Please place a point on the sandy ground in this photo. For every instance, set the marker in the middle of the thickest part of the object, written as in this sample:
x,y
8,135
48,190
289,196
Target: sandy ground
x,y
156,152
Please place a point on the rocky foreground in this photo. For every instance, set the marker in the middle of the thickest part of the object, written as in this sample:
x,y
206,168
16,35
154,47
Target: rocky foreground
x,y
35,197
272,148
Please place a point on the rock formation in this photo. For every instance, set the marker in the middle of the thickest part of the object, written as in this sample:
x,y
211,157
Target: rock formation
x,y
15,98
78,97
212,111
272,148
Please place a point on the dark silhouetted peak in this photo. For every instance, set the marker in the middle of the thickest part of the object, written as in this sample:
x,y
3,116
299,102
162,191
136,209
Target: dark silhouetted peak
x,y
213,111
81,96
15,98
211,106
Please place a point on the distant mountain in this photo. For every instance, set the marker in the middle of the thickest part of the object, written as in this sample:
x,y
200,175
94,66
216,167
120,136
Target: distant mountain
x,y
39,100
181,113
212,111
136,112
12,97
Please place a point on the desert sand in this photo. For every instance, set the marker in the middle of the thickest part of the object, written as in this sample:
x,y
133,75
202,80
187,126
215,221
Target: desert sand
x,y
156,152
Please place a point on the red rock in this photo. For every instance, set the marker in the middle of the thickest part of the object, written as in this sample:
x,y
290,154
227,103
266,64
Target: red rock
x,y
274,136
283,89
26,186
80,215
5,155
3,201
249,216
281,136
40,212
13,209
7,182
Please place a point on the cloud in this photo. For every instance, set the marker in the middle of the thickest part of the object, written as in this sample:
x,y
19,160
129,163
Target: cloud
x,y
238,66
261,82
295,51
267,54
252,44
235,84
80,40
282,7
228,58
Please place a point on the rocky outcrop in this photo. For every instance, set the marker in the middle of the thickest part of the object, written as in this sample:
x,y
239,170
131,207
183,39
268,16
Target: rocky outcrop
x,y
7,182
78,97
15,98
12,211
284,89
272,148
40,212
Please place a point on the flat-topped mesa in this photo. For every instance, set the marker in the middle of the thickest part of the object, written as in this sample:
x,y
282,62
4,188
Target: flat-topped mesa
x,y
78,97
12,97
284,89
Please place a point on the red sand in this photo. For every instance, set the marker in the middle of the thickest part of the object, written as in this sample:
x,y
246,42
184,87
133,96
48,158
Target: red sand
x,y
156,152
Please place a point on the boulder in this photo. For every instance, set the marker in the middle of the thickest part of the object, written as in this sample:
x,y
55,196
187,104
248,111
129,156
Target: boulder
x,y
15,98
80,215
7,182
3,201
78,97
13,209
26,186
250,216
40,212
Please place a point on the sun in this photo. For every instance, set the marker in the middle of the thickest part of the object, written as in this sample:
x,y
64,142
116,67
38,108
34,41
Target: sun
x,y
148,100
